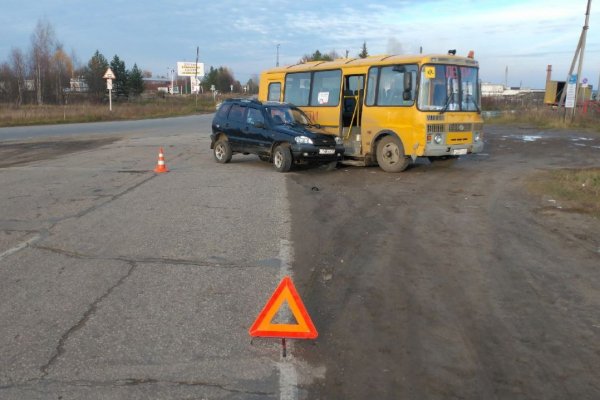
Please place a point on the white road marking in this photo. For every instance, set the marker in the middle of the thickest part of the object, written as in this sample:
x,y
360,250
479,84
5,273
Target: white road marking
x,y
20,246
288,376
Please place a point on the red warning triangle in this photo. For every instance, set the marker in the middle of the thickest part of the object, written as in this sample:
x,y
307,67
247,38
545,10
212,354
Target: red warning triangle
x,y
302,329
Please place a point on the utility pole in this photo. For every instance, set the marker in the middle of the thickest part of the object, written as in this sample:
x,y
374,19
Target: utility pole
x,y
277,64
579,51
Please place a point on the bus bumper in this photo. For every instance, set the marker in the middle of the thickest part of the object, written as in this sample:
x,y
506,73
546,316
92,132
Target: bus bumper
x,y
442,150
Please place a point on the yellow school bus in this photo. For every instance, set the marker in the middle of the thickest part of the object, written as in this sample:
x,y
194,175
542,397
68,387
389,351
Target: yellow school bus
x,y
389,109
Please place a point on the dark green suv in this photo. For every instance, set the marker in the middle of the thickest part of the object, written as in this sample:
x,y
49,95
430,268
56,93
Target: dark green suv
x,y
277,132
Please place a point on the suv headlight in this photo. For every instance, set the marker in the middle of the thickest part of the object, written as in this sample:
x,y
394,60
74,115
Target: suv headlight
x,y
303,140
339,140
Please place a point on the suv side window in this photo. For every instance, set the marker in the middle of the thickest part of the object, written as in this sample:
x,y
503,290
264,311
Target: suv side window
x,y
254,116
237,113
223,110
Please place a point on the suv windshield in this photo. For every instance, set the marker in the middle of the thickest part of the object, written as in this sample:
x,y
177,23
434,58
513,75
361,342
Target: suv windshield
x,y
287,115
449,88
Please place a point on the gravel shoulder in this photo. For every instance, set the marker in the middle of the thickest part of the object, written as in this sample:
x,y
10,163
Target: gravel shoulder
x,y
451,282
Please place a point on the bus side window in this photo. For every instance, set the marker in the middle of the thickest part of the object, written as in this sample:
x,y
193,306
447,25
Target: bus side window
x,y
274,92
297,87
326,88
371,86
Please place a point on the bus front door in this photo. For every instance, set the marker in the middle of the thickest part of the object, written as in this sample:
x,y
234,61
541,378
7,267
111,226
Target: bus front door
x,y
351,113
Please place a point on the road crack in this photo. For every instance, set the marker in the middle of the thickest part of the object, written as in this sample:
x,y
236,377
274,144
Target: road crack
x,y
146,260
60,348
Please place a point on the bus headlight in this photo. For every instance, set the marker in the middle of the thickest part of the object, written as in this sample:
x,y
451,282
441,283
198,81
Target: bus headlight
x,y
303,140
477,136
437,138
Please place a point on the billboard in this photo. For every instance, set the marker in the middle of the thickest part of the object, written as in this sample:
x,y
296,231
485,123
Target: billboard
x,y
189,68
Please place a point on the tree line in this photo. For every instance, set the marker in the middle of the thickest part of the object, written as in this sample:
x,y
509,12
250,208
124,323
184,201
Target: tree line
x,y
223,80
332,55
42,74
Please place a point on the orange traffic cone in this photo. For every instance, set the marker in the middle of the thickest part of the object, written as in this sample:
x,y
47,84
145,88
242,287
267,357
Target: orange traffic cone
x,y
161,166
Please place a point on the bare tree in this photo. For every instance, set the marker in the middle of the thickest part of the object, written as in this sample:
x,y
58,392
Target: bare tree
x,y
61,68
19,69
42,42
6,78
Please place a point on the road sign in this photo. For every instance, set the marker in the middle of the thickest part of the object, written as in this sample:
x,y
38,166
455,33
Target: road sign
x,y
302,329
109,84
109,74
571,89
190,69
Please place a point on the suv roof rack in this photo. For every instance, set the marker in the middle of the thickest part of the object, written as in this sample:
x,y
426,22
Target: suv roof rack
x,y
243,100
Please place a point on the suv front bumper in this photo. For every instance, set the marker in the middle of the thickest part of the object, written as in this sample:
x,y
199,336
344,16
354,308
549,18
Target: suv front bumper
x,y
309,152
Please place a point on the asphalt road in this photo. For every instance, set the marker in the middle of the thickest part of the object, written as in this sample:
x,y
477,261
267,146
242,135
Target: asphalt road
x,y
439,282
116,283
149,127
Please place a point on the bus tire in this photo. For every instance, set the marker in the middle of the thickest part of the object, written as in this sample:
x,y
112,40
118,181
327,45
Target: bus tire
x,y
390,154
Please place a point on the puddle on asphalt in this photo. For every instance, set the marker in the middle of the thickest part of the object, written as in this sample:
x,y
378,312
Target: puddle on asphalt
x,y
524,138
531,138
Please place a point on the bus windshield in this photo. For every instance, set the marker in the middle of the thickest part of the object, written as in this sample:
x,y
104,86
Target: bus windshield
x,y
448,88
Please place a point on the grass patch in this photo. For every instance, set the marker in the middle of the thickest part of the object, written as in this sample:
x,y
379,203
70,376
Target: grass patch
x,y
169,106
548,118
574,189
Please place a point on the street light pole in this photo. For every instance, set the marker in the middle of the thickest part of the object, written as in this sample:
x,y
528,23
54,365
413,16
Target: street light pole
x,y
578,53
172,81
277,65
196,77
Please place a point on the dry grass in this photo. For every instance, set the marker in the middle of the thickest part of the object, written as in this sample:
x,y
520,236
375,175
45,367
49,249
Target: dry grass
x,y
85,112
548,118
573,189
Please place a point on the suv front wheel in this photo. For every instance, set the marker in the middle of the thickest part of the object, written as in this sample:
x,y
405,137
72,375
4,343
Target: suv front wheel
x,y
222,151
282,158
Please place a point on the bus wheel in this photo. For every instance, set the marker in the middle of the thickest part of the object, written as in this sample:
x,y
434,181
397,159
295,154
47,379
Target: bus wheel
x,y
390,155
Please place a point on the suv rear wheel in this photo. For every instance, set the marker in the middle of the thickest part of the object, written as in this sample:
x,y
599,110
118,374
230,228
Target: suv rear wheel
x,y
222,151
282,158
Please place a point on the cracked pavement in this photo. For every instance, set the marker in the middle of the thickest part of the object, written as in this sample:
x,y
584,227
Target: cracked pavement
x,y
119,283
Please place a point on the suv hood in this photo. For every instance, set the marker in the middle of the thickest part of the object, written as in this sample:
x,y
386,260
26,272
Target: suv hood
x,y
300,130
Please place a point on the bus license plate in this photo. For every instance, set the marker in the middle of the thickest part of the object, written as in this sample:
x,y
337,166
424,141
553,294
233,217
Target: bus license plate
x,y
459,152
328,151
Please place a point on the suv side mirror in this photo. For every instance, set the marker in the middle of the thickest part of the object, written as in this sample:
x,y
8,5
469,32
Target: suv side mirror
x,y
259,124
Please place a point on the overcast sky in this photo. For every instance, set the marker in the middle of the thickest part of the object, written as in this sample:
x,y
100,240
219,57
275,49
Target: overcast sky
x,y
523,35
